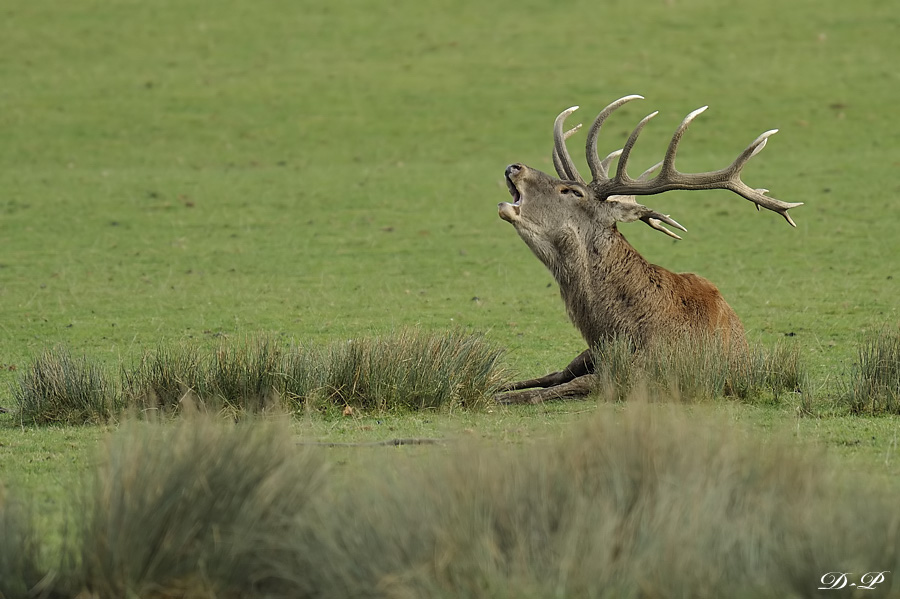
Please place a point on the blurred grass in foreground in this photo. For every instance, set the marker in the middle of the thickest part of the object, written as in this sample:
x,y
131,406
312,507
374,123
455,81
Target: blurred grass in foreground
x,y
642,501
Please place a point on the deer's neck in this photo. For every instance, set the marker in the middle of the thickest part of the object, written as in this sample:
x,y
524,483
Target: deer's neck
x,y
603,281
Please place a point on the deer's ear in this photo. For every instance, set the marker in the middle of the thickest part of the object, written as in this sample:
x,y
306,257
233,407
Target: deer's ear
x,y
628,211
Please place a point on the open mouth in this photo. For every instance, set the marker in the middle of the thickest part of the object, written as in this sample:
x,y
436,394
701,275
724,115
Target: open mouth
x,y
517,197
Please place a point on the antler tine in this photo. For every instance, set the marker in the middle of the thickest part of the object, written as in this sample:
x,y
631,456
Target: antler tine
x,y
655,223
757,196
598,170
557,161
646,174
670,178
559,147
604,164
621,173
575,129
752,150
668,163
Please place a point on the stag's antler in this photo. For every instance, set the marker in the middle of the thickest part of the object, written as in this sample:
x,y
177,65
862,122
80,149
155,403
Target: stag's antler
x,y
669,177
564,166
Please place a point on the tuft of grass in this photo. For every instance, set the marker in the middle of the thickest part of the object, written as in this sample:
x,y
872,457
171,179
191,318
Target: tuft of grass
x,y
778,370
414,370
874,382
692,369
163,378
195,509
20,548
617,369
243,376
59,389
305,370
247,376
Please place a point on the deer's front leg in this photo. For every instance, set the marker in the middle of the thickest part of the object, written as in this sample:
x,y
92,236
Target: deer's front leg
x,y
580,366
577,388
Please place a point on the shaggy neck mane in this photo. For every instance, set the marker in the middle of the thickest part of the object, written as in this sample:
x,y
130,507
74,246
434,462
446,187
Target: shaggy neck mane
x,y
603,283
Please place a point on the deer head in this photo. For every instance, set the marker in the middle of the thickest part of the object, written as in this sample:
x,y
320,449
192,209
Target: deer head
x,y
548,213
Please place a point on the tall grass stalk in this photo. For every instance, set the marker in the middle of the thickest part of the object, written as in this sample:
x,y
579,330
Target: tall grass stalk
x,y
305,371
247,377
874,382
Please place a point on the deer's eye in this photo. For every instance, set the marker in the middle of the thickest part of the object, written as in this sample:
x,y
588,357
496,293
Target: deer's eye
x,y
571,191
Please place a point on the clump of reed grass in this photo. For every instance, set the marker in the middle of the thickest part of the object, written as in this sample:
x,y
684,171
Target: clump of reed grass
x,y
247,376
409,370
414,370
195,509
691,369
874,381
243,376
164,377
59,389
305,371
643,504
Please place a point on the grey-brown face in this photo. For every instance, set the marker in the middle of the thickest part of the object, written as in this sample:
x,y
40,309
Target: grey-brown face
x,y
545,211
540,203
544,208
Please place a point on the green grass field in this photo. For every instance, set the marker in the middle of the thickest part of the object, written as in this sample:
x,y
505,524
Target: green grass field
x,y
182,171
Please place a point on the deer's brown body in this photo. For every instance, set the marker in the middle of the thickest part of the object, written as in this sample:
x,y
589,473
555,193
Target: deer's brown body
x,y
615,292
608,288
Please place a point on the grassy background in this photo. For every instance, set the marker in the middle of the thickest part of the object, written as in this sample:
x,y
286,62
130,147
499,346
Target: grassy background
x,y
175,169
192,169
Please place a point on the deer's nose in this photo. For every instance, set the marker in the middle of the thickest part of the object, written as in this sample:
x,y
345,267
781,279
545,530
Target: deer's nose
x,y
513,169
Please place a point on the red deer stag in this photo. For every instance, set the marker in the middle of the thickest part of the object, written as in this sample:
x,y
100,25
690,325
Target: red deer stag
x,y
609,289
